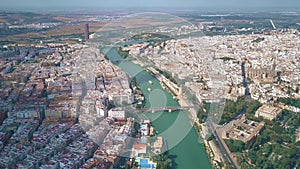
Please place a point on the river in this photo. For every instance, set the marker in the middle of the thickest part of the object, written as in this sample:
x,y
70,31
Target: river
x,y
185,150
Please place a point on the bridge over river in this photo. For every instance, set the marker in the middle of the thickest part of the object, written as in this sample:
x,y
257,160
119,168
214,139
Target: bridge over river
x,y
167,108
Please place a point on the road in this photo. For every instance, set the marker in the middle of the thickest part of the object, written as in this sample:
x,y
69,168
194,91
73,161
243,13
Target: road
x,y
222,145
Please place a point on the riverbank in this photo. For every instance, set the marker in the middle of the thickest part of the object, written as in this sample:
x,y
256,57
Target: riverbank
x,y
212,151
185,150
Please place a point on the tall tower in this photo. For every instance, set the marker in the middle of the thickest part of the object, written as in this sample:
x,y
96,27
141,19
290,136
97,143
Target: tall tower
x,y
87,31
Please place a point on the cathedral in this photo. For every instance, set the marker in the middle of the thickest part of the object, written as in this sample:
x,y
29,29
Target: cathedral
x,y
263,74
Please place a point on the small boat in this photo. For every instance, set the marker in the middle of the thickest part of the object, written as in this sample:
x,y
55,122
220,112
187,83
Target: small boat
x,y
150,82
149,89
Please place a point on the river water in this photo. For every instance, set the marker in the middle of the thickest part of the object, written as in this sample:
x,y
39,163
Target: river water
x,y
183,141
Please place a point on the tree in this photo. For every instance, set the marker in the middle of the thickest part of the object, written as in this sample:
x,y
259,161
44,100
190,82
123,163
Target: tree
x,y
235,145
163,162
290,101
278,129
252,156
127,166
253,106
227,165
201,115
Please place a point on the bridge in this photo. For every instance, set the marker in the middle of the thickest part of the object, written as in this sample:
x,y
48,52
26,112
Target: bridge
x,y
168,108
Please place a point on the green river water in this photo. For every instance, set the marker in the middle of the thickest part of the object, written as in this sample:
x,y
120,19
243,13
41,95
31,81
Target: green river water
x,y
184,148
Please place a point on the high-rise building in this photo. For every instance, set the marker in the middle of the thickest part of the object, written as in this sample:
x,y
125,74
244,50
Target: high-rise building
x,y
86,31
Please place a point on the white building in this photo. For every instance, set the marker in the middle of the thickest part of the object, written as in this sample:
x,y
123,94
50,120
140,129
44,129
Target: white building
x,y
117,113
139,148
100,108
268,112
24,114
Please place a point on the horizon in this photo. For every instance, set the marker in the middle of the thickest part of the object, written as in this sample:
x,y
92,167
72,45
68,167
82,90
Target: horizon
x,y
217,5
155,9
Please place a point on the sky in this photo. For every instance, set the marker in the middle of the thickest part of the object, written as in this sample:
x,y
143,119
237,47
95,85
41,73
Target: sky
x,y
48,4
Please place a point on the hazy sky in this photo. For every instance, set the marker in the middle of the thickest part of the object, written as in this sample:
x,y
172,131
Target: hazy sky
x,y
23,4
